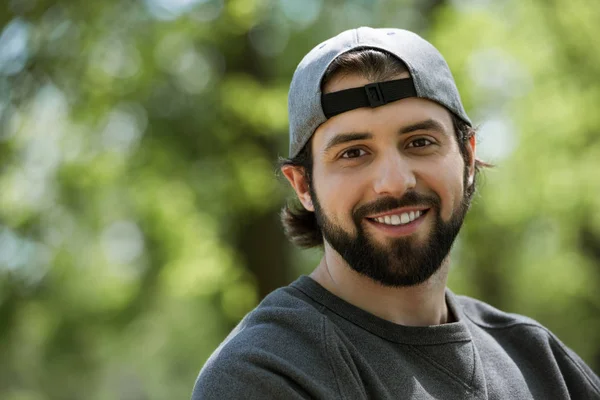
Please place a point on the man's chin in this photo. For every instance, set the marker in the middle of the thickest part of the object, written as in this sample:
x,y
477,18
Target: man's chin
x,y
392,278
390,245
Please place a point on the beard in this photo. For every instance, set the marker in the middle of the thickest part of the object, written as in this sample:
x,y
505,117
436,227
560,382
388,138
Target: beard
x,y
399,262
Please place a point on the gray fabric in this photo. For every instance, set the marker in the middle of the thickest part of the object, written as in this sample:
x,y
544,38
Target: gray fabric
x,y
302,342
430,72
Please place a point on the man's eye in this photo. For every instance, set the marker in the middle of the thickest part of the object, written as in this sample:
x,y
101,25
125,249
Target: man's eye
x,y
353,153
421,142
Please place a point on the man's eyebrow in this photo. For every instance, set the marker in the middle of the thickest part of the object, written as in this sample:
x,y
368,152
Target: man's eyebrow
x,y
427,125
345,138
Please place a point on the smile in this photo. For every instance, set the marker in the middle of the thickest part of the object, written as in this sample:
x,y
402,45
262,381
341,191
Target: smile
x,y
400,224
399,219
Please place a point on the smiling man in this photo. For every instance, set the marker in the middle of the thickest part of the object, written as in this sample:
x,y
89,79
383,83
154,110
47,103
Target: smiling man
x,y
383,162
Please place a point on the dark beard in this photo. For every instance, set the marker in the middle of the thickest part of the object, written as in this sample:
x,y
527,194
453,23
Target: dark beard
x,y
400,262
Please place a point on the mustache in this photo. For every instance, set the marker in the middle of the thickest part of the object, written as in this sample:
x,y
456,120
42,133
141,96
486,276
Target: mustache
x,y
410,199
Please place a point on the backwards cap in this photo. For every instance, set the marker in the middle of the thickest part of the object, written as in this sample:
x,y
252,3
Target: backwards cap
x,y
430,79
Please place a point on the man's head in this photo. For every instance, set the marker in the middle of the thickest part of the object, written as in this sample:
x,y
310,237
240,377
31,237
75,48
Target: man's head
x,y
387,187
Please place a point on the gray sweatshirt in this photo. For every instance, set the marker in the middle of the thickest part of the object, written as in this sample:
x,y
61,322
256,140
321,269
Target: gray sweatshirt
x,y
303,342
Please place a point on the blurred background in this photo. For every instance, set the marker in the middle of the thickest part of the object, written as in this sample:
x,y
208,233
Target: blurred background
x,y
138,191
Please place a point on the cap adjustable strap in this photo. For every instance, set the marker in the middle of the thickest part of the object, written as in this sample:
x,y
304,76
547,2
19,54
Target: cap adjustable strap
x,y
371,95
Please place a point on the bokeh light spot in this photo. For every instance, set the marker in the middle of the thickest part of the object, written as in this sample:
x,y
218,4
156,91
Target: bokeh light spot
x,y
14,50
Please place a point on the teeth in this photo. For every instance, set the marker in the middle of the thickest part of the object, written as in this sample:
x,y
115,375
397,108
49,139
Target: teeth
x,y
399,219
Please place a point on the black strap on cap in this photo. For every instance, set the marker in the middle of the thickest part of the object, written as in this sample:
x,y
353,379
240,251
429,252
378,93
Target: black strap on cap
x,y
371,95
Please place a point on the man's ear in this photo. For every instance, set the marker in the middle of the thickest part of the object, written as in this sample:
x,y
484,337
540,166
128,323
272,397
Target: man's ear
x,y
297,178
471,149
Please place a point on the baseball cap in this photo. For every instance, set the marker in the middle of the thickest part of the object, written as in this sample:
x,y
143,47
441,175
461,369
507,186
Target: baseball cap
x,y
430,78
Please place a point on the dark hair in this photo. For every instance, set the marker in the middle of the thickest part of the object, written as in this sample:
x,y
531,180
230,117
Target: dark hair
x,y
300,225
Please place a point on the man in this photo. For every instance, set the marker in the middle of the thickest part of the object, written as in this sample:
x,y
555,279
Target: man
x,y
383,163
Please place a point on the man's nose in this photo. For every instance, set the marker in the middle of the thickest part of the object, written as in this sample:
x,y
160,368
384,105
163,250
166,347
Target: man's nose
x,y
394,176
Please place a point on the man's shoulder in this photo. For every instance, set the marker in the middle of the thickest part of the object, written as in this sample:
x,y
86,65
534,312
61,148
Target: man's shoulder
x,y
282,320
535,342
507,327
276,351
487,316
516,331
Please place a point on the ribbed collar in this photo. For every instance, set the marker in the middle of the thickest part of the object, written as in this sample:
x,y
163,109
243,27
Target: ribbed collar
x,y
426,335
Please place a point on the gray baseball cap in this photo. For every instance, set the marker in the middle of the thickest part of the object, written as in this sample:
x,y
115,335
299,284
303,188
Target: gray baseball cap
x,y
430,79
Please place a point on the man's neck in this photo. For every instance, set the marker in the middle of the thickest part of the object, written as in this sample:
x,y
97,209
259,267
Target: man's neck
x,y
420,305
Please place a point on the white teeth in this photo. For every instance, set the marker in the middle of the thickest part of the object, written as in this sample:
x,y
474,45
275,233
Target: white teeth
x,y
401,219
404,218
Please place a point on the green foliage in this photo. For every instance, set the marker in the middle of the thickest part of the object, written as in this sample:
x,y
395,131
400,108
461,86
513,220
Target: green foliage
x,y
138,195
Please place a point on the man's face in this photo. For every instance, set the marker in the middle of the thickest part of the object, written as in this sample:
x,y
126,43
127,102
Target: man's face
x,y
388,187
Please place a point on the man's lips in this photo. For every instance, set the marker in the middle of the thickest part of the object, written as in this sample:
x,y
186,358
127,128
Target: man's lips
x,y
398,225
